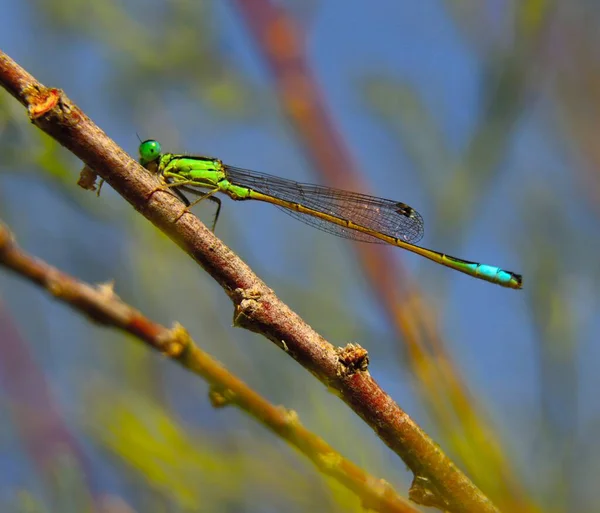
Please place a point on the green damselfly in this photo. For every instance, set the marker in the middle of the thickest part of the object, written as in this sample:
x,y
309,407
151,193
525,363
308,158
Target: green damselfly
x,y
345,214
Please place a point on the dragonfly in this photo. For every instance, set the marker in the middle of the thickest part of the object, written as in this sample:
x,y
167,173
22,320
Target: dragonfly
x,y
351,215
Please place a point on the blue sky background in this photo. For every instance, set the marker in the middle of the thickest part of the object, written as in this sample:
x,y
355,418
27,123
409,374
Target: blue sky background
x,y
529,358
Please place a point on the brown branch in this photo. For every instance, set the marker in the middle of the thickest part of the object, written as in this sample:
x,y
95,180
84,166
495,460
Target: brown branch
x,y
103,306
438,482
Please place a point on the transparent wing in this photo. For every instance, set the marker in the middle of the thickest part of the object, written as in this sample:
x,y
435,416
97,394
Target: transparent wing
x,y
392,218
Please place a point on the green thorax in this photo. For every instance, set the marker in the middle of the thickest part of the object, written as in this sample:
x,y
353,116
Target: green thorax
x,y
203,171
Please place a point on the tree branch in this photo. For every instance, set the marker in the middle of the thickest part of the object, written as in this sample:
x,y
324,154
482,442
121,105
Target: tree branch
x,y
438,482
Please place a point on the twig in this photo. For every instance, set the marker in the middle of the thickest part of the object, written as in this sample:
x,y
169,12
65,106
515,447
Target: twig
x,y
102,305
438,482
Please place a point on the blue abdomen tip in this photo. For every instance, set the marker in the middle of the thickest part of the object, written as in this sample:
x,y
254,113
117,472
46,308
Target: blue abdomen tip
x,y
500,276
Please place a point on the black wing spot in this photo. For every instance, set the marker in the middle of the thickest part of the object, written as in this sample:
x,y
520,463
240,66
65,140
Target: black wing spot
x,y
404,209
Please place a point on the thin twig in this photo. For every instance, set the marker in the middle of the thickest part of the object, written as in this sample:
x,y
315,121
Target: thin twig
x,y
438,482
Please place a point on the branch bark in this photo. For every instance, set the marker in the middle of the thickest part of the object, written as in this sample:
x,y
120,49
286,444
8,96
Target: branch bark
x,y
437,482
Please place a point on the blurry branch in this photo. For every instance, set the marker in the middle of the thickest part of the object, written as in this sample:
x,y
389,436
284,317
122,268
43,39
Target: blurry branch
x,y
576,88
54,452
102,305
437,481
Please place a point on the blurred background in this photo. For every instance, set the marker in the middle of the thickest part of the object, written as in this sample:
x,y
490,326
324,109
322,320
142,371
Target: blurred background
x,y
482,115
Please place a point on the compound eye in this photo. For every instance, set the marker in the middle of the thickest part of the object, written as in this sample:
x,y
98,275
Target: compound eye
x,y
149,151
